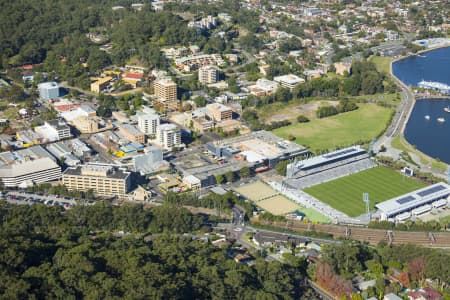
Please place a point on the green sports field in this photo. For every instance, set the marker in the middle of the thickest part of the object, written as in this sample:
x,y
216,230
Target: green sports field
x,y
349,128
345,194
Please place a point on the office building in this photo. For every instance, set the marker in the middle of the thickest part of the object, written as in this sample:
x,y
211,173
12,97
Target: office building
x,y
53,130
29,166
105,180
48,90
100,84
219,112
168,136
208,74
288,81
85,124
132,133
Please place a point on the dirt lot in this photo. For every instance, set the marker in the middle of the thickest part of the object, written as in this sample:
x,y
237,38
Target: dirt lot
x,y
278,205
256,191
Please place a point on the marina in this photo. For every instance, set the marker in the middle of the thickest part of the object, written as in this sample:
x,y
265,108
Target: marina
x,y
426,128
437,86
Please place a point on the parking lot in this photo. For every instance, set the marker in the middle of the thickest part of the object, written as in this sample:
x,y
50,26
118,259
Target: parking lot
x,y
23,198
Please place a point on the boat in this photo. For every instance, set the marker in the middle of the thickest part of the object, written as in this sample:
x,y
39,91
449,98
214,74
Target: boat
x,y
447,109
441,120
438,86
427,117
423,56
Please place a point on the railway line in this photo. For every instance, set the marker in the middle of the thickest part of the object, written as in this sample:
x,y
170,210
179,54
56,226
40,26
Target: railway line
x,y
374,236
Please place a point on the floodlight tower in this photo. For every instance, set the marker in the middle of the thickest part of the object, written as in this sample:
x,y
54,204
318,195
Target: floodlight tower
x,y
367,201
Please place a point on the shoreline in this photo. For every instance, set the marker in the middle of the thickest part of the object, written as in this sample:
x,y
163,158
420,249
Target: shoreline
x,y
419,52
408,92
432,97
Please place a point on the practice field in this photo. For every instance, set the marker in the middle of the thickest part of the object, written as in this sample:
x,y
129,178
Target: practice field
x,y
278,205
256,191
363,124
273,202
345,194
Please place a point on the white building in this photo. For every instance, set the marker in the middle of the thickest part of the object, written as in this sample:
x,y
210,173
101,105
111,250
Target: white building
x,y
149,162
53,130
48,90
168,136
82,111
263,87
288,81
148,121
208,74
27,167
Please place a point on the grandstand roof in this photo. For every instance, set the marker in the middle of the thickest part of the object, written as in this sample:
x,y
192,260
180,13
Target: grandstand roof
x,y
414,199
332,156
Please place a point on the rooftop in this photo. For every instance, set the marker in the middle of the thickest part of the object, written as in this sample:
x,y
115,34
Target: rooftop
x,y
98,170
414,199
329,157
46,85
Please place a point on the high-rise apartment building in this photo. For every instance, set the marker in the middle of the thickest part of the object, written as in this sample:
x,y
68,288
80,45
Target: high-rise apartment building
x,y
168,136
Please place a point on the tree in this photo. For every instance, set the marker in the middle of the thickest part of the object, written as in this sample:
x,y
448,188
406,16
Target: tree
x,y
281,167
244,172
302,119
416,269
219,178
229,176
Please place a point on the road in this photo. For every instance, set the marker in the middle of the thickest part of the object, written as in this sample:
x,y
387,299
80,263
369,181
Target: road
x,y
397,128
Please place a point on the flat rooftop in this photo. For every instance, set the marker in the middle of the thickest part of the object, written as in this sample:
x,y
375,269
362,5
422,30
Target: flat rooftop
x,y
97,170
329,157
263,143
414,199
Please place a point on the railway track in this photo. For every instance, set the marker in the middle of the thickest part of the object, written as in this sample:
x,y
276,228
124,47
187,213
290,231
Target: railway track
x,y
374,236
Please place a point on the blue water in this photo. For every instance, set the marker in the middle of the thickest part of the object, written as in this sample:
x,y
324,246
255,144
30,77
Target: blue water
x,y
429,136
429,66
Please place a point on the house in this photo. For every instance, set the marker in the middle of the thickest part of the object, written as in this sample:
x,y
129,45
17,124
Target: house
x,y
140,194
132,78
391,296
425,294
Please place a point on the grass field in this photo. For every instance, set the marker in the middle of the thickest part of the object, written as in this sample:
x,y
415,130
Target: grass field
x,y
383,64
344,129
345,194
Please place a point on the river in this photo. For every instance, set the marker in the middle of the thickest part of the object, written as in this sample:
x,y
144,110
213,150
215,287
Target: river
x,y
429,136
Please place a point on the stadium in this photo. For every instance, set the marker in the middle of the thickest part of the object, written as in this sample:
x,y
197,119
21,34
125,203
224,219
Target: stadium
x,y
326,167
334,183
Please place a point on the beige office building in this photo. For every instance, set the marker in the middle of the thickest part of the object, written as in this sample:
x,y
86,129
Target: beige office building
x,y
219,112
105,180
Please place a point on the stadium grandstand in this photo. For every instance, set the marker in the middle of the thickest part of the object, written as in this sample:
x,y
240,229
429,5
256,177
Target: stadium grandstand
x,y
415,203
326,167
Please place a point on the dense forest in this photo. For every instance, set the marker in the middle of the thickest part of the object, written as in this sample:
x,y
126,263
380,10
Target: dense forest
x,y
48,253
